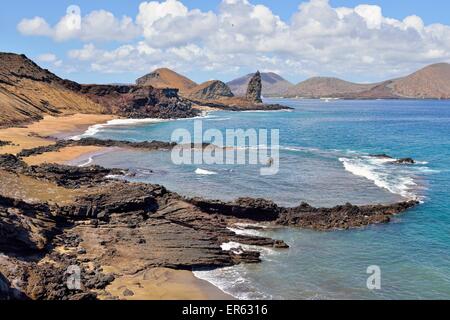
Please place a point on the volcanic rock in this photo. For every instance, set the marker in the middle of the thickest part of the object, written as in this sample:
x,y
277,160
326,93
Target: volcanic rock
x,y
255,88
210,90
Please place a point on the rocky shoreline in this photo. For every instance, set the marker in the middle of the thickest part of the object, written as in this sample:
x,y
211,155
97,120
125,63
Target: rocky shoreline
x,y
113,228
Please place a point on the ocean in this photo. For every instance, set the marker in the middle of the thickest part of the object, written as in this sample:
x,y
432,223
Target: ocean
x,y
326,150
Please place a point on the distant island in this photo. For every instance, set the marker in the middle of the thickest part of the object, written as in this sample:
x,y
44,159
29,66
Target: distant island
x,y
431,82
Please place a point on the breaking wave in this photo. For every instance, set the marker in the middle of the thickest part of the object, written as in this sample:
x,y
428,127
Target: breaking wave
x,y
205,172
397,179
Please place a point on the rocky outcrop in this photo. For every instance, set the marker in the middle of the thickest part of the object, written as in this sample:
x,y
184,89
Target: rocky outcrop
x,y
210,90
24,227
395,161
239,104
341,217
107,143
405,161
138,101
243,208
254,89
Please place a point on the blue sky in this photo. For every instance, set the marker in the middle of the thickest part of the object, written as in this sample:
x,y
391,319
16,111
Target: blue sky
x,y
304,42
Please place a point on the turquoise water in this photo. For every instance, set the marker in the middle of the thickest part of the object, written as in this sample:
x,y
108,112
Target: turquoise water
x,y
325,160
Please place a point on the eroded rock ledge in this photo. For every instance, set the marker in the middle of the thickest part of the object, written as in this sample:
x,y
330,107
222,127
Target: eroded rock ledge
x,y
145,145
116,228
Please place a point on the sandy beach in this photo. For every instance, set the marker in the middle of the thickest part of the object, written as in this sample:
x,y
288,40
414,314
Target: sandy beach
x,y
37,134
151,284
164,284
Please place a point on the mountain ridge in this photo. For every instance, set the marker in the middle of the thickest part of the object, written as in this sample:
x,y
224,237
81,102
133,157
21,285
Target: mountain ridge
x,y
430,82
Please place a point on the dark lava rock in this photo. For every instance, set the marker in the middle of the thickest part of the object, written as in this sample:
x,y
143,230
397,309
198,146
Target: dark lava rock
x,y
139,101
405,161
4,143
138,199
7,292
255,88
128,293
243,208
23,227
341,217
10,162
211,90
71,177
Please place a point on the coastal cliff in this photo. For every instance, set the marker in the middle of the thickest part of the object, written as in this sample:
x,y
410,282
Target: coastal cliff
x,y
28,93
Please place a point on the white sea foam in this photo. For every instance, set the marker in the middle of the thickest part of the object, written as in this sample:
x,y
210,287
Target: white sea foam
x,y
235,247
267,111
381,171
245,232
93,130
233,281
88,162
204,172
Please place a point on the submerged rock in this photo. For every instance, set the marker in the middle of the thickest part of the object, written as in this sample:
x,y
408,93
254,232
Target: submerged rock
x,y
405,161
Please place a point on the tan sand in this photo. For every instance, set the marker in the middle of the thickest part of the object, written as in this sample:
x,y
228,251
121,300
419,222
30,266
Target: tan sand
x,y
31,136
64,155
164,284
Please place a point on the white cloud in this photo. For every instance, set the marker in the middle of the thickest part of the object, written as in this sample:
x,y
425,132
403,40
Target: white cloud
x,y
50,59
371,14
47,57
357,42
98,25
36,26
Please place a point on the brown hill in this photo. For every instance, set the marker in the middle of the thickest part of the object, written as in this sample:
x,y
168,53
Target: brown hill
x,y
432,82
272,85
320,87
165,78
210,90
28,92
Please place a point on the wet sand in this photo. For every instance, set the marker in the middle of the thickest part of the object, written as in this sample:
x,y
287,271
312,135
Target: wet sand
x,y
37,133
164,284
